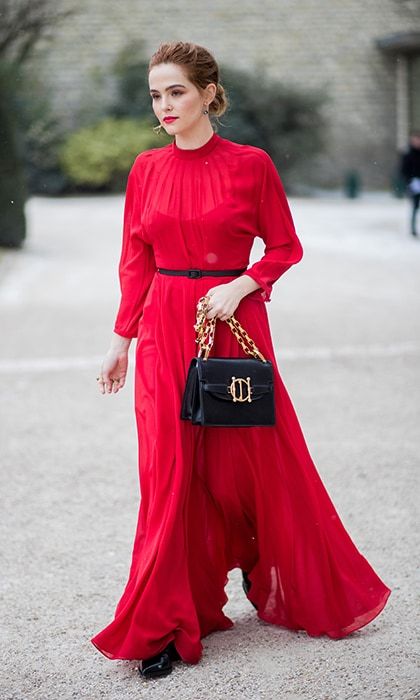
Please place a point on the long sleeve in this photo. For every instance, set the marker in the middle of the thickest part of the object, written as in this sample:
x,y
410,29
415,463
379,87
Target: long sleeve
x,y
275,225
137,264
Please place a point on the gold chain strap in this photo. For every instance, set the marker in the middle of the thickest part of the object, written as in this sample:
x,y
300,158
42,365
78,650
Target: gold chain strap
x,y
206,327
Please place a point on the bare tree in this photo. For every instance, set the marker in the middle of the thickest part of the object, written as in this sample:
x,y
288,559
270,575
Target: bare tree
x,y
24,22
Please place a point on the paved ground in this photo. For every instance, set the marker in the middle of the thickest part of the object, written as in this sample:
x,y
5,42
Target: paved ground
x,y
346,327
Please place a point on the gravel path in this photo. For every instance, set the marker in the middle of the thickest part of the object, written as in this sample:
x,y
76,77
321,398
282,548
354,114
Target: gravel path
x,y
345,322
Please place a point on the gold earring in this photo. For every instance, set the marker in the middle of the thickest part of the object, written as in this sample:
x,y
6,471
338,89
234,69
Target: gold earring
x,y
157,129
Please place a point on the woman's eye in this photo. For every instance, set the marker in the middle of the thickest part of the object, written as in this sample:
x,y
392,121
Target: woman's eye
x,y
174,92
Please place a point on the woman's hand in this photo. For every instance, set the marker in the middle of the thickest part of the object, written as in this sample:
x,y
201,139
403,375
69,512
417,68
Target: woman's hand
x,y
114,367
225,298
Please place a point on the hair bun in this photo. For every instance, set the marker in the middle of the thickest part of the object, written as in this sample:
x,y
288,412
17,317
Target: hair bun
x,y
220,103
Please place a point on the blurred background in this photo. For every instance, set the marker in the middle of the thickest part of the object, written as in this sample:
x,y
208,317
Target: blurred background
x,y
331,90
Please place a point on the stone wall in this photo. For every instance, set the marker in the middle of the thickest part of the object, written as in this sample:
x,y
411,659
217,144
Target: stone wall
x,y
327,44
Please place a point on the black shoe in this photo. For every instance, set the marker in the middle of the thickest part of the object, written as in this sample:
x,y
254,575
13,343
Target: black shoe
x,y
156,666
160,664
172,651
246,585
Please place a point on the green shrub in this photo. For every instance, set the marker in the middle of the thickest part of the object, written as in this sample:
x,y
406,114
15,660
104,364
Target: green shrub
x,y
284,120
100,156
42,134
130,72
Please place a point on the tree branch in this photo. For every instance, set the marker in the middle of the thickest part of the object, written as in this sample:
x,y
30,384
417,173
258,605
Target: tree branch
x,y
24,22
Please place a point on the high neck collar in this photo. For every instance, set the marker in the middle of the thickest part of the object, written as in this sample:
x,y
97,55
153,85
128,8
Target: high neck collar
x,y
203,150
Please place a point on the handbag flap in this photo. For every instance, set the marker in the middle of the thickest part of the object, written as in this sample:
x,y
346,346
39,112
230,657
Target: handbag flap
x,y
239,379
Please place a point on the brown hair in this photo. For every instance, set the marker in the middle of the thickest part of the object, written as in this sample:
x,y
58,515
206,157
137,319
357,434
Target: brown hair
x,y
200,66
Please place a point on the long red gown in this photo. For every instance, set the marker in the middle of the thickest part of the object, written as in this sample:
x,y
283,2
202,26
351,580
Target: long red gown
x,y
216,498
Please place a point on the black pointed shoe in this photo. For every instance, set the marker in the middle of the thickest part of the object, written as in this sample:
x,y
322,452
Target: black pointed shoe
x,y
160,664
246,585
156,666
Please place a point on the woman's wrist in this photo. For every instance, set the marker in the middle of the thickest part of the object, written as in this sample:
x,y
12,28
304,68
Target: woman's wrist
x,y
244,284
120,342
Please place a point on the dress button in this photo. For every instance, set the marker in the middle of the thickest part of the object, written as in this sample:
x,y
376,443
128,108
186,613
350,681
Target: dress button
x,y
206,162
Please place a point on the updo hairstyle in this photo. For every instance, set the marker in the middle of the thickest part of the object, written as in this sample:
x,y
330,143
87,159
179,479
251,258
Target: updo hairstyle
x,y
200,67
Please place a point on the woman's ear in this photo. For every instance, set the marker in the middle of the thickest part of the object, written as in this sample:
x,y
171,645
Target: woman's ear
x,y
211,90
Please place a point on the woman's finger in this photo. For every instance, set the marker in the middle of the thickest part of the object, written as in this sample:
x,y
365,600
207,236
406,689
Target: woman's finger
x,y
115,385
210,311
107,383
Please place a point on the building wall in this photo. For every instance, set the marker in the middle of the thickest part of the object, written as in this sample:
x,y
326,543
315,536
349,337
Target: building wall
x,y
327,44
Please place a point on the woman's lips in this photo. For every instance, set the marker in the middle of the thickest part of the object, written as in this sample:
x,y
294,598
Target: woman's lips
x,y
170,119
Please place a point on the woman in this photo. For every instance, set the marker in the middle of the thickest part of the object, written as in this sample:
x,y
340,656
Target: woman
x,y
215,498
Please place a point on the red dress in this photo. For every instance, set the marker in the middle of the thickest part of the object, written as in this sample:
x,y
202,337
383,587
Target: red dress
x,y
216,498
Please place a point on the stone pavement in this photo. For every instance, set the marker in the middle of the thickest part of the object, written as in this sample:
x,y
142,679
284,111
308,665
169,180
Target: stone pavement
x,y
345,322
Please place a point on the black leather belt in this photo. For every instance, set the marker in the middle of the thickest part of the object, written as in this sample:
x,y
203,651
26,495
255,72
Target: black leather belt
x,y
193,273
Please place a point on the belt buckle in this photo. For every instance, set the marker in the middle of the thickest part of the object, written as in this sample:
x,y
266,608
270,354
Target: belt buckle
x,y
194,273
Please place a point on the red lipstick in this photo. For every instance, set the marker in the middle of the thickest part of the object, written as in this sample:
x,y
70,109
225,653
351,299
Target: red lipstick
x,y
169,119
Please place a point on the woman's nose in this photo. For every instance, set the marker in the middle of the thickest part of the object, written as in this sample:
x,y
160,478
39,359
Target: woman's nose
x,y
166,104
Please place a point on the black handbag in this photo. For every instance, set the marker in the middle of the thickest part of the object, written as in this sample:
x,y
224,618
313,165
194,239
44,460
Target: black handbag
x,y
227,391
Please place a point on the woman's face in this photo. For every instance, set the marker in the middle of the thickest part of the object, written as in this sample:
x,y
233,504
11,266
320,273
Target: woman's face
x,y
174,95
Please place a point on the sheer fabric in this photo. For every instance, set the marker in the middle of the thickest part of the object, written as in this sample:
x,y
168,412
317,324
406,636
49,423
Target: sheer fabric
x,y
213,499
